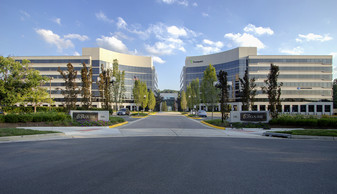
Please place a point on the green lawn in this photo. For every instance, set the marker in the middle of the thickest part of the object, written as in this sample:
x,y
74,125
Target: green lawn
x,y
313,132
18,132
217,122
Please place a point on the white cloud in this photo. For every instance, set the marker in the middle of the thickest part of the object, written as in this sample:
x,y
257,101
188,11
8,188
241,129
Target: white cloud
x,y
295,51
77,53
182,49
57,20
160,48
245,40
24,15
258,30
195,4
55,39
103,17
77,36
175,31
209,46
158,60
121,23
313,37
112,43
181,2
204,14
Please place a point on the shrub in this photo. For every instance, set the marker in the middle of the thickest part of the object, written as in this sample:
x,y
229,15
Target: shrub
x,y
24,118
11,118
2,118
217,122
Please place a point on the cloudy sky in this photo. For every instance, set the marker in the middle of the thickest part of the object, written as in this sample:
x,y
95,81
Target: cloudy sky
x,y
168,30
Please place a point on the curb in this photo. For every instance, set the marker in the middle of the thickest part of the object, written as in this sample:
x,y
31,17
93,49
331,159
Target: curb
x,y
217,127
139,117
119,124
299,136
31,137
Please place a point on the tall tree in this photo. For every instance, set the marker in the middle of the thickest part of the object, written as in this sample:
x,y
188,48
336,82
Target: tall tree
x,y
86,77
183,102
152,100
164,106
139,92
36,95
12,83
223,86
118,87
195,88
189,96
334,91
71,91
208,89
248,91
104,84
273,90
159,99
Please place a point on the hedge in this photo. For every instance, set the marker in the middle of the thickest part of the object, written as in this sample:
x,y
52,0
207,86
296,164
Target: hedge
x,y
37,117
305,122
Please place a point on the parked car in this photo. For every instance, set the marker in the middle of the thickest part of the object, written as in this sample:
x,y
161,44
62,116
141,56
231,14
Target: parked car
x,y
202,113
123,111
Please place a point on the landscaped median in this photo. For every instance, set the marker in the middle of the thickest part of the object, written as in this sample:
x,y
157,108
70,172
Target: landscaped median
x,y
215,123
139,115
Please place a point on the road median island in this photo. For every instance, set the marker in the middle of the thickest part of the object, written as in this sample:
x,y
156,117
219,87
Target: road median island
x,y
214,126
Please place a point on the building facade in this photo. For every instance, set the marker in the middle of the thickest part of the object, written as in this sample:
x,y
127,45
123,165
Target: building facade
x,y
139,67
307,80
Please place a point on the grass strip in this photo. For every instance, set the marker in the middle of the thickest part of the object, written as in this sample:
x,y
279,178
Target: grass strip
x,y
18,132
311,132
217,122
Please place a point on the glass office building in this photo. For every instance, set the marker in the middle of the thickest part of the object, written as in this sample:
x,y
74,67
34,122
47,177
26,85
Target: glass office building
x,y
140,67
307,80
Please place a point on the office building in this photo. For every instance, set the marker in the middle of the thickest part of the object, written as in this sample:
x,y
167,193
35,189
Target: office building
x,y
307,80
135,67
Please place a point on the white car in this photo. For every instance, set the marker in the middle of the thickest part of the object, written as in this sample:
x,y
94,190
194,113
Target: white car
x,y
202,113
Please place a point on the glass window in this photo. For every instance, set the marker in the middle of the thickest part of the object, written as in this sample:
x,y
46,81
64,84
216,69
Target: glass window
x,y
262,107
311,108
295,108
255,108
303,108
327,108
286,108
319,108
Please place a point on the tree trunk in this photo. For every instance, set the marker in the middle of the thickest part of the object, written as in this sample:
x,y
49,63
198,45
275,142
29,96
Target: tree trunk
x,y
35,108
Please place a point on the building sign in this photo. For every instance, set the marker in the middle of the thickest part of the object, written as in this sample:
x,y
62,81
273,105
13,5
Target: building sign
x,y
197,61
253,116
85,116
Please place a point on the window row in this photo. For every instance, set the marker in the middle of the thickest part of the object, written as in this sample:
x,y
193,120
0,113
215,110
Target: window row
x,y
86,61
293,68
324,61
301,84
297,108
295,76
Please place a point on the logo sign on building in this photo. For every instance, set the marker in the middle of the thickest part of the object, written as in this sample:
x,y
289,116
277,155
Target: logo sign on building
x,y
253,116
85,116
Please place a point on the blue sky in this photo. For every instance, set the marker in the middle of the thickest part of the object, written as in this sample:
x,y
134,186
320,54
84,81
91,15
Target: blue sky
x,y
168,30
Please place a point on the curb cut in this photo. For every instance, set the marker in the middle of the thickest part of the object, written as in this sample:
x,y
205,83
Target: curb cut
x,y
119,124
223,128
31,137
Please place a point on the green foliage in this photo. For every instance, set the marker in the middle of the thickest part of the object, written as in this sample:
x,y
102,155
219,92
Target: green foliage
x,y
112,121
140,114
86,77
209,93
164,106
18,132
334,93
152,100
248,91
305,121
71,91
11,118
118,87
223,86
24,118
193,93
313,132
218,122
273,90
140,94
250,125
2,118
183,102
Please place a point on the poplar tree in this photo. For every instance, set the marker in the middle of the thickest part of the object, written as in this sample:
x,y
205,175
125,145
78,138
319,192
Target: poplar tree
x,y
248,91
118,87
71,91
140,94
104,84
273,90
152,100
86,77
183,102
223,86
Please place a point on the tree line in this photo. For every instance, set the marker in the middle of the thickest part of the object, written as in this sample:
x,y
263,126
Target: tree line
x,y
214,89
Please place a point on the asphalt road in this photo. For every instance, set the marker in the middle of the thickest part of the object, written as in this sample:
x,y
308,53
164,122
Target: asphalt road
x,y
169,165
166,120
